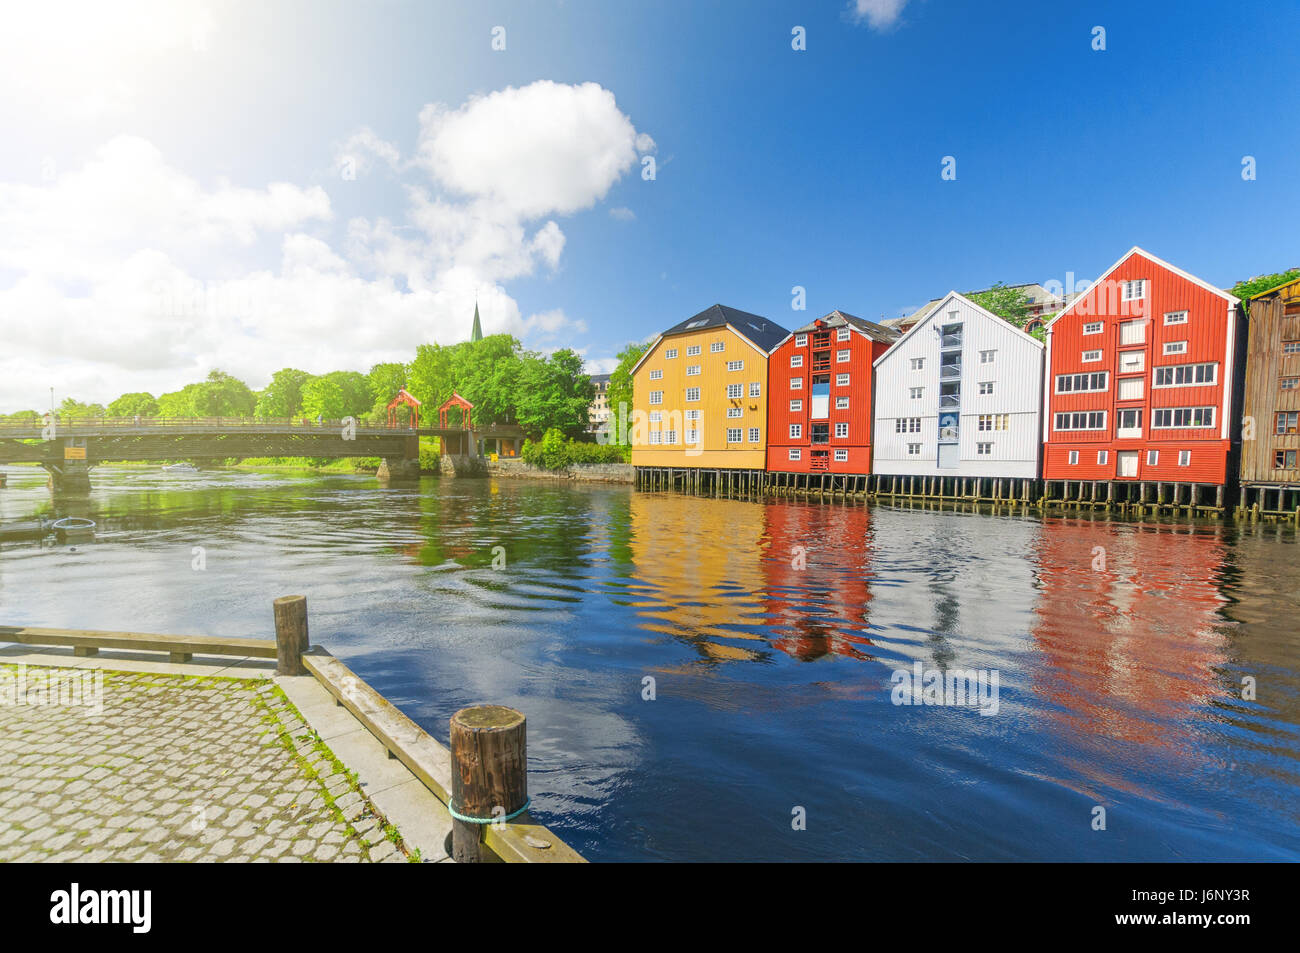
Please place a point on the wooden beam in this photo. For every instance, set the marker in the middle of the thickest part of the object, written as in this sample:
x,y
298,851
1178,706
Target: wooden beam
x,y
139,641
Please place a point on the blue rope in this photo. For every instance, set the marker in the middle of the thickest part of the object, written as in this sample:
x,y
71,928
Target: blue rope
x,y
487,820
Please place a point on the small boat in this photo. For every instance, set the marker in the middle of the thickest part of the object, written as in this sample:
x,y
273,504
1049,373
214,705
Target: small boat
x,y
181,468
74,527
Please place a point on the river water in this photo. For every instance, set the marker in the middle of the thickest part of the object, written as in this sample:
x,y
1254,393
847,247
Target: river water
x,y
769,636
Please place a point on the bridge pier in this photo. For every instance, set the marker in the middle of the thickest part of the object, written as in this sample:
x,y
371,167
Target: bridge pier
x,y
69,476
398,470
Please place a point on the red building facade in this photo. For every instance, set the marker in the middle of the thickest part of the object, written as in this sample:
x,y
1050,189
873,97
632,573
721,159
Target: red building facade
x,y
1140,378
819,382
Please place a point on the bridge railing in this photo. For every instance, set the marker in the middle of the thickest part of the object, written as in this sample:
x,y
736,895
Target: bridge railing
x,y
70,426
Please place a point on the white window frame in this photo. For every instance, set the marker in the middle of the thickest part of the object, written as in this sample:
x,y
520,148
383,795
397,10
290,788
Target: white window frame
x,y
796,431
1175,347
841,430
983,449
796,383
1090,357
734,412
670,353
717,347
913,449
1175,317
986,388
1184,458
843,356
843,334
987,357
1103,456
796,406
841,380
918,363
794,454
735,392
755,389
692,370
755,435
692,350
1153,458
796,360
739,435
1094,327
692,394
801,340
1135,290
1074,457
657,374
656,397
841,403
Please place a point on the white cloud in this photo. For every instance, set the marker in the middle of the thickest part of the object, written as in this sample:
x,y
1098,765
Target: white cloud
x,y
125,273
878,14
621,214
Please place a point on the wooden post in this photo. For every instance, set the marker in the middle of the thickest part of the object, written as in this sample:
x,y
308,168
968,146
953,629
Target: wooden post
x,y
489,772
290,634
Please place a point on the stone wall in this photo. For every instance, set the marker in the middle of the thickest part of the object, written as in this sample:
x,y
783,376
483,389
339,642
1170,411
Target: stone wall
x,y
463,465
586,472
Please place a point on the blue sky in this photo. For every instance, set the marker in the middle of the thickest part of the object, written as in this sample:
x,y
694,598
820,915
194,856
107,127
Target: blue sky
x,y
204,144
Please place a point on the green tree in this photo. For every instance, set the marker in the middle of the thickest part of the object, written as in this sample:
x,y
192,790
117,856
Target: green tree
x,y
553,393
483,372
178,403
221,395
283,396
129,405
75,408
1245,290
323,397
357,393
620,386
1007,303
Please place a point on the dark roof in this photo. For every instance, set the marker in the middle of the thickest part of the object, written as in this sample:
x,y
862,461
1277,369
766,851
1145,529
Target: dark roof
x,y
766,334
597,378
876,332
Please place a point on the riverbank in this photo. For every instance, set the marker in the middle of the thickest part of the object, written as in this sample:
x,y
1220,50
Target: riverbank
x,y
623,473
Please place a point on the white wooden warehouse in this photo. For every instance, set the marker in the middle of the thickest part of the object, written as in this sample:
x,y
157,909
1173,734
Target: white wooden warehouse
x,y
959,395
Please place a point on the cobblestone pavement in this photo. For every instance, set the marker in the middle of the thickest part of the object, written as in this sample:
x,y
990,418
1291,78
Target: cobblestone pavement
x,y
174,768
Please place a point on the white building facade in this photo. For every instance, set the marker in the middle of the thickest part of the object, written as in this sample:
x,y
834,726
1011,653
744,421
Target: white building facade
x,y
960,394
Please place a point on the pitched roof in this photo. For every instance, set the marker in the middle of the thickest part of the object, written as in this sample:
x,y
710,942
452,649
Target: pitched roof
x,y
938,306
1277,288
762,332
837,318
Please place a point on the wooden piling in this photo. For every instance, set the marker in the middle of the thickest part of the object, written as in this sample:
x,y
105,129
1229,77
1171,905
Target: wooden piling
x,y
489,777
290,634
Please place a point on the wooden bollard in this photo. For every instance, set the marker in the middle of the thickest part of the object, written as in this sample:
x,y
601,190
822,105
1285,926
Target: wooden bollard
x,y
489,773
290,634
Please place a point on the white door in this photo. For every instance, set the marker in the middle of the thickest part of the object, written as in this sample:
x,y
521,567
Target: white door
x,y
1128,463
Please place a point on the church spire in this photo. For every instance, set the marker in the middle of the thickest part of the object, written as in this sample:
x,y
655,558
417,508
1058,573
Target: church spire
x,y
477,333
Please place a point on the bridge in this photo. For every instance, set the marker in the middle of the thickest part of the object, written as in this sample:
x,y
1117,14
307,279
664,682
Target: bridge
x,y
69,447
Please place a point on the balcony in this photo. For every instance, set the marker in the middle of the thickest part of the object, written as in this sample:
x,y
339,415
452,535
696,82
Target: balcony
x,y
821,361
950,372
949,401
950,341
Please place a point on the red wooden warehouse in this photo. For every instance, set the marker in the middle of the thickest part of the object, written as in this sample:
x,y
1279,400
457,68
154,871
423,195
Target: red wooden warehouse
x,y
819,395
1140,383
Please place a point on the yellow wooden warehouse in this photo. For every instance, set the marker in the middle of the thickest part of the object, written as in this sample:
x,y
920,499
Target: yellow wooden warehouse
x,y
700,393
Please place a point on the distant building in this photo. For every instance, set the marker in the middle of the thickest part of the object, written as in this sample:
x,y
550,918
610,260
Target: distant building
x,y
1272,399
959,395
1043,305
598,412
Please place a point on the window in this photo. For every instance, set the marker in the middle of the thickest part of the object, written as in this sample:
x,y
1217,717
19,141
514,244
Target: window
x,y
755,389
1092,327
796,383
795,453
1184,457
753,435
986,387
984,449
1284,459
1102,457
693,350
670,436
1289,383
907,425
1175,317
735,391
841,456
1185,375
692,370
735,365
670,353
796,360
1074,457
1291,347
1090,356
842,357
1081,420
800,340
656,416
692,393
796,431
717,347
916,392
842,334
656,397
692,437
656,375
1131,361
841,403
1169,417
1129,388
1287,422
914,449
1082,383
1132,332
692,415
841,380
841,431
986,357
733,434
1175,347
796,406
1153,457
993,422
1135,290
918,363
735,411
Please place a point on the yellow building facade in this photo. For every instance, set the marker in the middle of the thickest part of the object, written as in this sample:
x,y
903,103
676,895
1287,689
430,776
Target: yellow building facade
x,y
700,393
